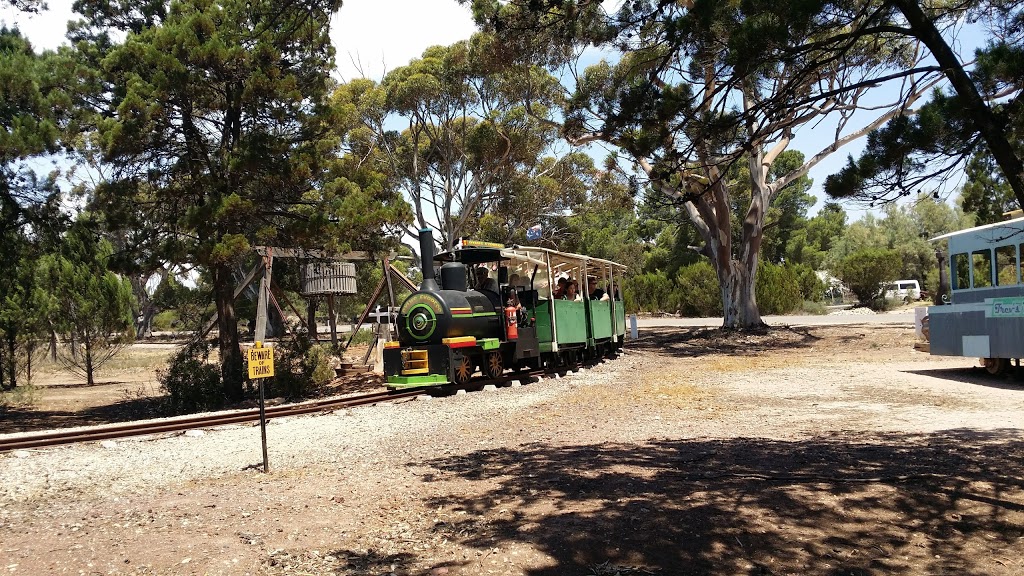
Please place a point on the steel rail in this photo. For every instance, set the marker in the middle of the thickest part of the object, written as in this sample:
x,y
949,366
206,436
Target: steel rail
x,y
110,432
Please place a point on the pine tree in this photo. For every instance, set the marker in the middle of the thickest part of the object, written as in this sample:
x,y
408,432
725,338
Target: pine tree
x,y
214,119
88,305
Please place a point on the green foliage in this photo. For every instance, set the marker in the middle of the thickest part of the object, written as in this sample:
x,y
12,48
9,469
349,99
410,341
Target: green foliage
x,y
647,292
668,98
33,114
301,368
986,193
811,243
166,321
811,287
698,292
21,397
190,382
867,270
980,119
88,305
777,289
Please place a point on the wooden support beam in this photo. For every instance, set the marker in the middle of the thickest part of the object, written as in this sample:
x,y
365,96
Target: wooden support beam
x,y
311,254
264,296
238,291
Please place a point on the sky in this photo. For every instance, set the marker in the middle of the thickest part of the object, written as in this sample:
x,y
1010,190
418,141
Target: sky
x,y
373,37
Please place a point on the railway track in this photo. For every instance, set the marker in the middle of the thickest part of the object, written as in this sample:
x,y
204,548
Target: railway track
x,y
59,437
115,431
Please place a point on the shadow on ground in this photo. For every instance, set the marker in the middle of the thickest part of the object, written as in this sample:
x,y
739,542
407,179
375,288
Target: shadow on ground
x,y
27,419
944,503
696,342
975,376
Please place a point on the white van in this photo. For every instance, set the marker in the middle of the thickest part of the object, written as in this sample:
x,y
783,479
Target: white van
x,y
906,290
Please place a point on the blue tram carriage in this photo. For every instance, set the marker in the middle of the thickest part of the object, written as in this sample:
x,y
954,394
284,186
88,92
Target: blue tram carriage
x,y
491,308
985,315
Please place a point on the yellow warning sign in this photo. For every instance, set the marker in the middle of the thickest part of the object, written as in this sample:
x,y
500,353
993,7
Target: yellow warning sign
x,y
261,361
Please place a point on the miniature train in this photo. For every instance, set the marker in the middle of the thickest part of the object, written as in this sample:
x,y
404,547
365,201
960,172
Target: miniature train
x,y
512,317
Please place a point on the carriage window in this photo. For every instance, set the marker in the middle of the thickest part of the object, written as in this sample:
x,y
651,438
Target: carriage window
x,y
982,263
1006,265
961,270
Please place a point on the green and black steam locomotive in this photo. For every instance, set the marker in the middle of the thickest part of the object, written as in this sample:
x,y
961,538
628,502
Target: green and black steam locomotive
x,y
494,308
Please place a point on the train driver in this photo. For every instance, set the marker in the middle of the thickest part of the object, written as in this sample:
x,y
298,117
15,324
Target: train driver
x,y
484,281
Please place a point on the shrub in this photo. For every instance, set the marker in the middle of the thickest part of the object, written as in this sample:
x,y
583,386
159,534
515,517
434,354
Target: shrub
x,y
865,272
698,291
777,289
815,308
301,368
648,292
811,287
166,321
190,382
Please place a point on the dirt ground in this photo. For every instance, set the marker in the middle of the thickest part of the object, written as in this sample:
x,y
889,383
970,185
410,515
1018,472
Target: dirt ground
x,y
831,451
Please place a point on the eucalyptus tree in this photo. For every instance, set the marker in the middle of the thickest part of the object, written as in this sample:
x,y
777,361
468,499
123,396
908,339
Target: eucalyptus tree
x,y
462,148
693,88
215,121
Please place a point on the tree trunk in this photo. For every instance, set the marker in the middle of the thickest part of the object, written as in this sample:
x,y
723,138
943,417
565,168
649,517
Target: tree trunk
x,y
30,349
227,326
3,380
739,304
89,379
12,362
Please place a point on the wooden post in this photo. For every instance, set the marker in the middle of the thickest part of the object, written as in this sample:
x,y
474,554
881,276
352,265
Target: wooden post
x,y
383,330
311,318
332,321
264,297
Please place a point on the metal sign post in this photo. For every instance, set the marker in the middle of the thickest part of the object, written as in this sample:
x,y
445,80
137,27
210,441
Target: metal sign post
x,y
261,365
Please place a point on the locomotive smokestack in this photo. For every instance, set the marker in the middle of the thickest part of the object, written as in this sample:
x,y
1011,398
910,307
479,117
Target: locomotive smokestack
x,y
427,261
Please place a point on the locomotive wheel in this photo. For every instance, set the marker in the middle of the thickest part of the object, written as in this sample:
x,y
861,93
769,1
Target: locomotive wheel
x,y
996,366
495,365
463,370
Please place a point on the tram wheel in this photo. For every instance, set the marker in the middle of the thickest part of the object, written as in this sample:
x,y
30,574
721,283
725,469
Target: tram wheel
x,y
996,366
495,365
463,370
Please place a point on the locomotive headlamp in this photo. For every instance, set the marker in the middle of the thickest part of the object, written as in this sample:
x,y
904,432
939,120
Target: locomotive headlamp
x,y
421,322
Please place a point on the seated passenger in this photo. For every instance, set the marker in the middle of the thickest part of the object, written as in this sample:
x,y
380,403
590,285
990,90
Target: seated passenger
x,y
572,292
513,291
559,292
593,291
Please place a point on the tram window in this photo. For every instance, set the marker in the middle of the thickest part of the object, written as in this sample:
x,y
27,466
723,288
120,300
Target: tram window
x,y
982,263
961,271
1006,265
